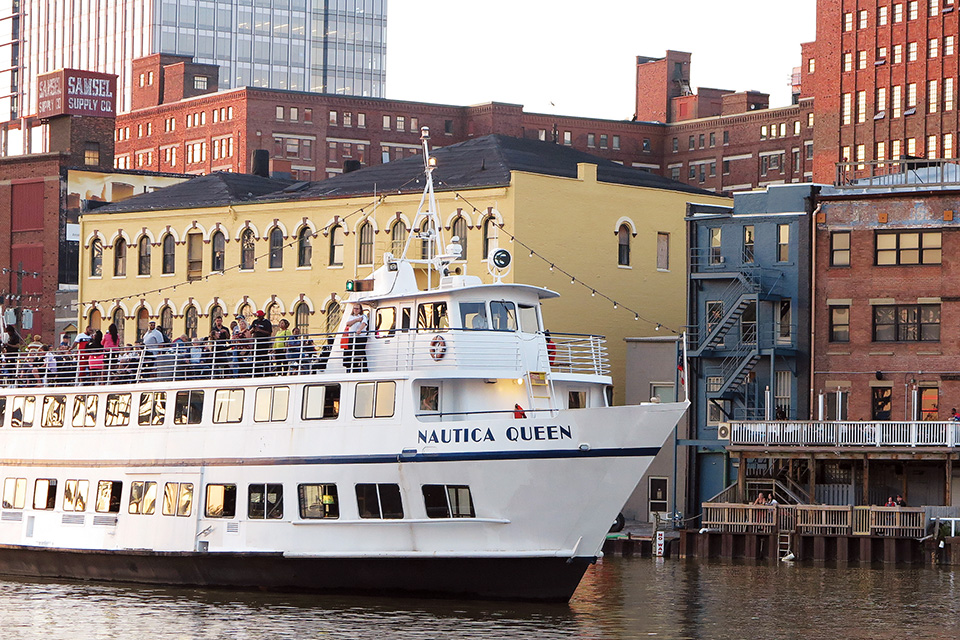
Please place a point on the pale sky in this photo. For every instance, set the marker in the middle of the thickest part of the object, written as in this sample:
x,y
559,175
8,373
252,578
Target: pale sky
x,y
581,55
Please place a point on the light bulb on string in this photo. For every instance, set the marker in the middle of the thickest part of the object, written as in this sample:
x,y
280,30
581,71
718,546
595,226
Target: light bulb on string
x,y
614,305
636,316
593,293
573,281
551,267
657,328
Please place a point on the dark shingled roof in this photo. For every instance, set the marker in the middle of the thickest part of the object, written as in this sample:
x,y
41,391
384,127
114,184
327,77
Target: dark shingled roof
x,y
213,190
483,162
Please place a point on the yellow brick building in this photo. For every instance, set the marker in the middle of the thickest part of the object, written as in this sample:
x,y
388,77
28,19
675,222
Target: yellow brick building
x,y
233,244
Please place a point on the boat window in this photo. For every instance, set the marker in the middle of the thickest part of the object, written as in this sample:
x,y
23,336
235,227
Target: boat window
x,y
108,496
318,501
45,494
177,498
473,315
84,410
577,400
3,408
221,501
152,407
228,405
608,395
529,320
432,315
448,501
405,318
143,498
75,495
379,501
265,502
53,409
321,401
374,399
22,415
14,493
386,322
429,398
271,404
503,316
188,408
117,412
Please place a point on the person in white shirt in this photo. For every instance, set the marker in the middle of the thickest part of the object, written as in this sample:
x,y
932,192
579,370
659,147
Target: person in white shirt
x,y
355,358
152,340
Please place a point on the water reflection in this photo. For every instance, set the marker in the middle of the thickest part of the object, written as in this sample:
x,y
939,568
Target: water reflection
x,y
618,599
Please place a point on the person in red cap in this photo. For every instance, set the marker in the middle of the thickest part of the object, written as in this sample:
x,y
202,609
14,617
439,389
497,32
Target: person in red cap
x,y
261,329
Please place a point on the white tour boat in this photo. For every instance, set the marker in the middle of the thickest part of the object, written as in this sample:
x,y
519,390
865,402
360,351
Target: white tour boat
x,y
462,451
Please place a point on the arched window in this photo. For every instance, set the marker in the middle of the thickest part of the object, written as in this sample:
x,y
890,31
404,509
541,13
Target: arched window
x,y
334,313
301,318
169,254
143,317
191,319
119,258
246,312
247,248
366,244
623,244
336,246
490,235
166,322
398,238
304,247
215,312
459,229
96,258
94,319
276,248
143,256
119,319
219,249
274,314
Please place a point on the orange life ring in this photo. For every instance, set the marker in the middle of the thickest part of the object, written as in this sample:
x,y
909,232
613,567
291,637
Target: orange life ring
x,y
438,347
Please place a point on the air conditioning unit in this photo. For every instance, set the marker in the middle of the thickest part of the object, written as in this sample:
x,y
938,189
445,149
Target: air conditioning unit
x,y
723,431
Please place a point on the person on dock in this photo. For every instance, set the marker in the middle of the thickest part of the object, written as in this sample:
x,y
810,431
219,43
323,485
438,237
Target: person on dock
x,y
771,501
900,501
890,502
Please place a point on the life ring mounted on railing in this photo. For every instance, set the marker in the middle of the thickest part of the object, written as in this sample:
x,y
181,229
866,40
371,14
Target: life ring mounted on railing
x,y
438,348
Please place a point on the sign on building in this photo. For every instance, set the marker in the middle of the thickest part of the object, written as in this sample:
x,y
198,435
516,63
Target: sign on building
x,y
77,93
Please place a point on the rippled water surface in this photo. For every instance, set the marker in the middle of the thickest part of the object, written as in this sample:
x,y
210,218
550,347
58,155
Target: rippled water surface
x,y
619,598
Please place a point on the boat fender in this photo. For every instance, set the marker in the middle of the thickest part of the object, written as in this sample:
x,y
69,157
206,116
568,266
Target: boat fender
x,y
438,347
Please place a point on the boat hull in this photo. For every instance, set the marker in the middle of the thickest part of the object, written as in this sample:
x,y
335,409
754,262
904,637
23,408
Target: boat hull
x,y
502,578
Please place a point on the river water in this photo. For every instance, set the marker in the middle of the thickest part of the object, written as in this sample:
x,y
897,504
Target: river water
x,y
619,598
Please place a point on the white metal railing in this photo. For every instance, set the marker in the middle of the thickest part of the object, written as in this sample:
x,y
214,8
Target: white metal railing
x,y
383,351
845,433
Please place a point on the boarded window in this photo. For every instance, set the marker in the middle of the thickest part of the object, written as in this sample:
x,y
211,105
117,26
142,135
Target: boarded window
x,y
26,201
663,251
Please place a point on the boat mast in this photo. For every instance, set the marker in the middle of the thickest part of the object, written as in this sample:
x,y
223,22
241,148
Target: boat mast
x,y
427,221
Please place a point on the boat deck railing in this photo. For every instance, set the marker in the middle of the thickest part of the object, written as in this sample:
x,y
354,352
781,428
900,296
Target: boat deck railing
x,y
440,350
815,519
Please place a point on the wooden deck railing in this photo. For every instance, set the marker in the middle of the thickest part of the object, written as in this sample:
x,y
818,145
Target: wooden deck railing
x,y
809,519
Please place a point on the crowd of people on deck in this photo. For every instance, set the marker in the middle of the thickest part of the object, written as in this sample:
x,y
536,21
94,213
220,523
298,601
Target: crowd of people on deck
x,y
242,349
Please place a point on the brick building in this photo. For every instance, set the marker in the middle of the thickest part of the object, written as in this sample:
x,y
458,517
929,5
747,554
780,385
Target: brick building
x,y
723,141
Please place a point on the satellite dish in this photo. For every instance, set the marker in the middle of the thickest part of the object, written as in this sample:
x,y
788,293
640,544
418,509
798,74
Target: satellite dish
x,y
498,263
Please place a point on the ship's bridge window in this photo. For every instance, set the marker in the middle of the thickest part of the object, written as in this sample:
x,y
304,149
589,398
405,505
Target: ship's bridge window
x,y
386,322
14,493
448,501
221,501
265,502
108,496
45,494
118,410
318,501
473,315
529,320
143,498
188,408
23,409
84,410
228,405
577,400
375,399
271,404
53,409
321,401
432,315
153,406
75,495
379,501
503,315
177,498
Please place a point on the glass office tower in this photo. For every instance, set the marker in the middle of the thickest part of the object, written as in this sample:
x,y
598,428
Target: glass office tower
x,y
333,46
